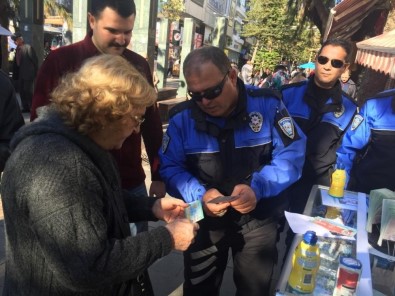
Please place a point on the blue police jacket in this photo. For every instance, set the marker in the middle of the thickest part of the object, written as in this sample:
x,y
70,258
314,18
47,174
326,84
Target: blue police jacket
x,y
323,124
258,144
369,144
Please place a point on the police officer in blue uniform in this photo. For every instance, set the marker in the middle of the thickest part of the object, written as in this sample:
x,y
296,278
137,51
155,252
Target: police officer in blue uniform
x,y
368,146
323,112
230,140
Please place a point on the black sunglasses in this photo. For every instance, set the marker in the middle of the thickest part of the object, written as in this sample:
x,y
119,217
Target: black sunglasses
x,y
210,93
335,63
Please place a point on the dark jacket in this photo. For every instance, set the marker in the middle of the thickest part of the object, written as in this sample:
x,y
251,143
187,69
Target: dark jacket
x,y
69,58
11,118
324,116
67,230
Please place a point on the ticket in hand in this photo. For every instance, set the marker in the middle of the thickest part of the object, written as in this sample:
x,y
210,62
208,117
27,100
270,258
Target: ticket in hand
x,y
220,199
195,211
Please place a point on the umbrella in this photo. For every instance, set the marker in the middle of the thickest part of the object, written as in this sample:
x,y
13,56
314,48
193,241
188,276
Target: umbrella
x,y
4,31
309,65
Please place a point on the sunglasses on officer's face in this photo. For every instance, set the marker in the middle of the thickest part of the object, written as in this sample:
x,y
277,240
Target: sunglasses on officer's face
x,y
335,63
210,93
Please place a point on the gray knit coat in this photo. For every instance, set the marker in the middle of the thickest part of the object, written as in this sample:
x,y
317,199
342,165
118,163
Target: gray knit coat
x,y
61,194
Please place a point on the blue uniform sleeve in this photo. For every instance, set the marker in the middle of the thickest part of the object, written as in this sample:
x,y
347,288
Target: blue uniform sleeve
x,y
289,143
179,182
356,138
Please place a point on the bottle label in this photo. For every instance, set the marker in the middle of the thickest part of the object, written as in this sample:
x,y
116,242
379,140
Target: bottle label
x,y
308,278
308,263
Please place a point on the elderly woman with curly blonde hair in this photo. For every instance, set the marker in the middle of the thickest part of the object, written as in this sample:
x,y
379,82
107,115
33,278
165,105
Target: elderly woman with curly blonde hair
x,y
67,223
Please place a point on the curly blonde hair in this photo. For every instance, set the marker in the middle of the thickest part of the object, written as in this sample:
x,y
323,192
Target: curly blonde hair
x,y
103,90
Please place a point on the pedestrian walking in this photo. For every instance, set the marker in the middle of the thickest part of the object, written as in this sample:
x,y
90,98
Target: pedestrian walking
x,y
246,72
25,67
348,85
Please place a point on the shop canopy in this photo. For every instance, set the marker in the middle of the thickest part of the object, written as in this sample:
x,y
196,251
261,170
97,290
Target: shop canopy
x,y
4,31
347,17
378,53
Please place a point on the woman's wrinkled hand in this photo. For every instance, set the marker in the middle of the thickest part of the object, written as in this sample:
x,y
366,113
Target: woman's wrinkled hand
x,y
183,233
168,209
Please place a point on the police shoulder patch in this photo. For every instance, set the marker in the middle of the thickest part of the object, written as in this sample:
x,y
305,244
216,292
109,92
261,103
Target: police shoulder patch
x,y
165,142
287,126
356,121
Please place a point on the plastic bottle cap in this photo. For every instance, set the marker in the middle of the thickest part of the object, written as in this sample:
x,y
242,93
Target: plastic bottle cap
x,y
310,237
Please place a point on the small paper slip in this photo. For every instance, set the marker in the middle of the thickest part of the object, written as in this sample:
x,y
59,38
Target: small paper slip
x,y
349,201
195,211
334,227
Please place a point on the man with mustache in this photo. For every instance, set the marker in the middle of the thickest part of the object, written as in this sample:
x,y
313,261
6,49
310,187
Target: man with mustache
x,y
111,23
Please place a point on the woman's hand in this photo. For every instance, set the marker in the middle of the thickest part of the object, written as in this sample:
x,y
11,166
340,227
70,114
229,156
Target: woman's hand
x,y
168,209
183,233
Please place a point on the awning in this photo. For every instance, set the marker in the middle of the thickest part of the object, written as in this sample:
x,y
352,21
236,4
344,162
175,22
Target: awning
x,y
54,20
51,29
4,31
309,65
378,53
347,17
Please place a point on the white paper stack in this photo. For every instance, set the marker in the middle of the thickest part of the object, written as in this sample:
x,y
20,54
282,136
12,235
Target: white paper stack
x,y
376,198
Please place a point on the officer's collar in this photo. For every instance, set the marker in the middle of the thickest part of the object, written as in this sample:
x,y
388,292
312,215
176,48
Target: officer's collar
x,y
316,97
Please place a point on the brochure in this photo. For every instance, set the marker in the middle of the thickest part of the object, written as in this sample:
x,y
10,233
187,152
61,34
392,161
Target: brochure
x,y
387,230
376,198
348,202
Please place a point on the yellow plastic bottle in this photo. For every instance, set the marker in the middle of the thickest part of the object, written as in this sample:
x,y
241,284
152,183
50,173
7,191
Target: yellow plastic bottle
x,y
305,264
338,182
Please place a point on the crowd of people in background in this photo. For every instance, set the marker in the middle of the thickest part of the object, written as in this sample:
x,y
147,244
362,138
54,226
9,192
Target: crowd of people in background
x,y
285,73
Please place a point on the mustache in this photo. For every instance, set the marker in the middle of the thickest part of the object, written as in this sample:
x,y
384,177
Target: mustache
x,y
117,45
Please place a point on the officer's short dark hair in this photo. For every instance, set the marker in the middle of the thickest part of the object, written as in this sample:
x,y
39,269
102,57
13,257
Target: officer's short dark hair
x,y
124,8
338,42
206,54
